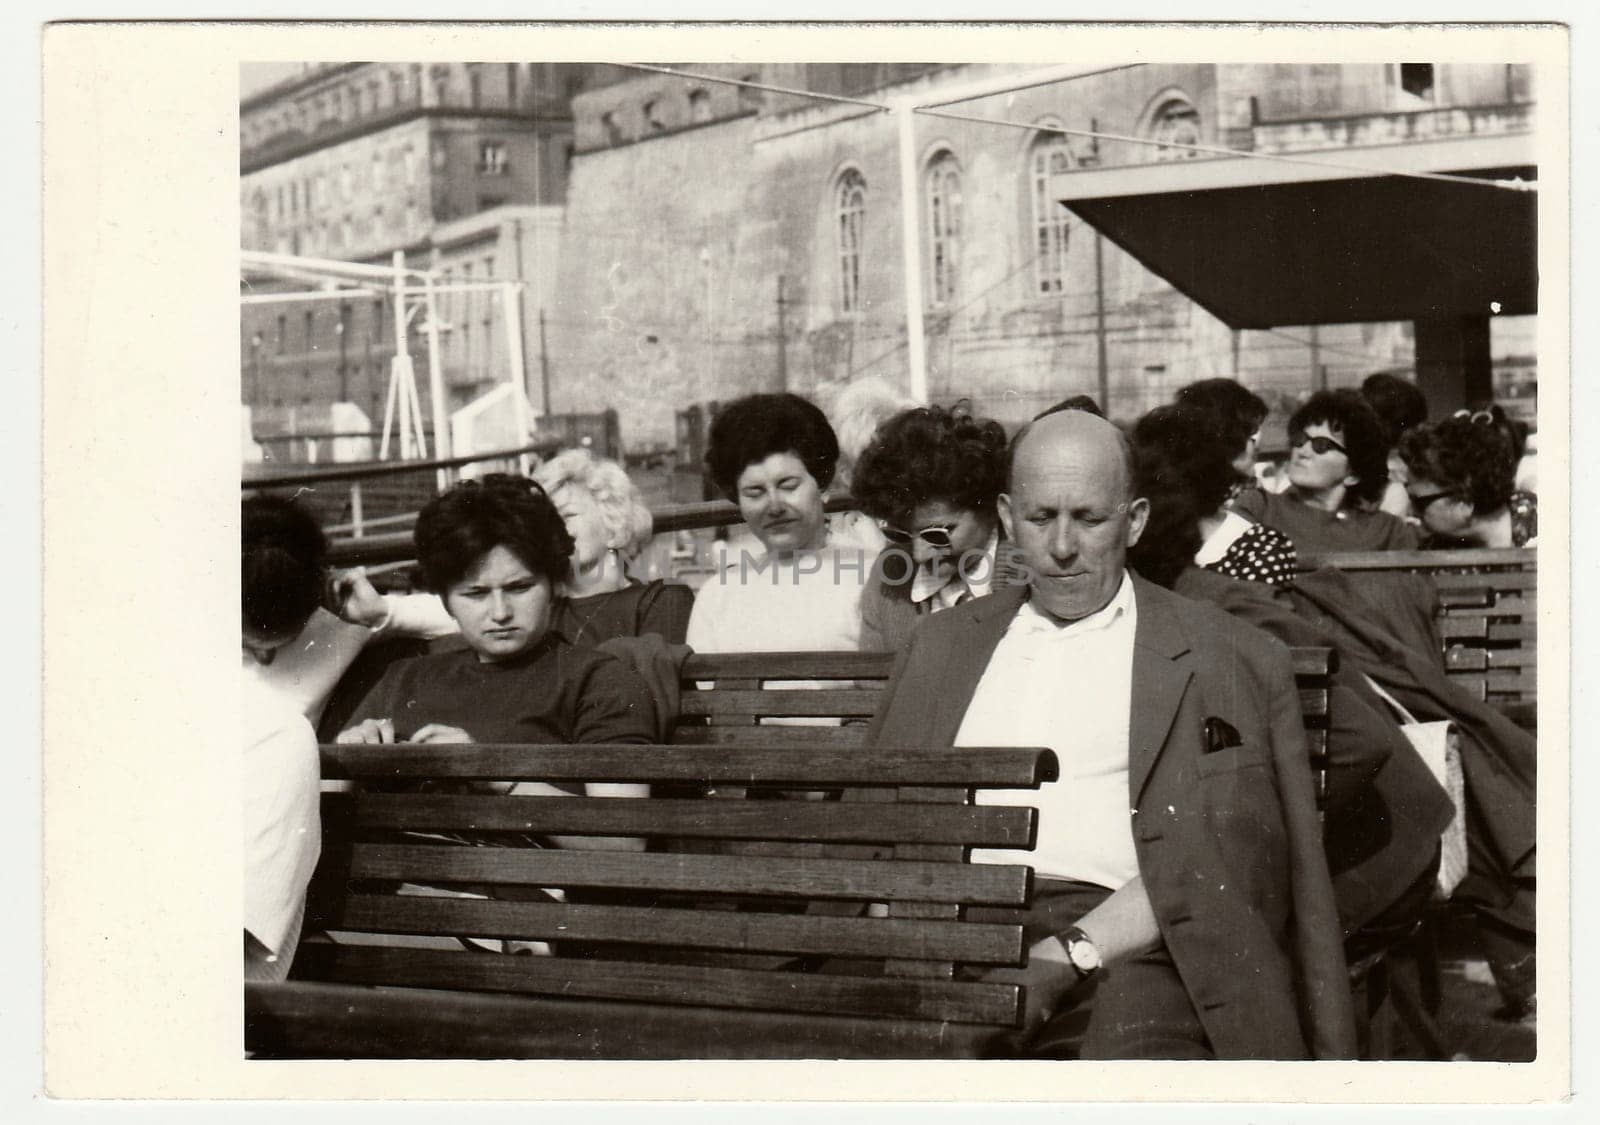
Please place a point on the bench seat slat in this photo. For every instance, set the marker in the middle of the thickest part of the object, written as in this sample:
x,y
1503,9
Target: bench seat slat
x,y
978,826
788,666
762,737
868,880
1495,581
735,931
999,768
306,1020
828,994
845,703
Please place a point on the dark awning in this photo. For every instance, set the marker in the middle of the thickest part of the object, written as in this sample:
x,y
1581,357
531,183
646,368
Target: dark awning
x,y
1262,243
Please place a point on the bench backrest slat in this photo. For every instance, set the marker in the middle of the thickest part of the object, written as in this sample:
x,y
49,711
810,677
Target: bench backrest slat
x,y
817,767
734,931
826,994
971,825
864,880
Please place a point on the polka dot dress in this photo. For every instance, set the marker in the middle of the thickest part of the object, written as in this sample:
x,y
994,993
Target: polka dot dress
x,y
1262,554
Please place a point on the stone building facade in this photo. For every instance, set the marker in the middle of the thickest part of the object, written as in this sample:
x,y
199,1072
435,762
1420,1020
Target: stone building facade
x,y
462,167
720,240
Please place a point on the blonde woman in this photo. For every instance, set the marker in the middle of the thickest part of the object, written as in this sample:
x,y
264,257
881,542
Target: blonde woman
x,y
610,525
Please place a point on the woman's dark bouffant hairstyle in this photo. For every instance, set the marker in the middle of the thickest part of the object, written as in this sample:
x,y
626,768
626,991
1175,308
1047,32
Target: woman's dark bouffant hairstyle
x,y
1238,412
1360,432
1185,471
283,554
749,430
457,529
1470,459
1399,403
932,453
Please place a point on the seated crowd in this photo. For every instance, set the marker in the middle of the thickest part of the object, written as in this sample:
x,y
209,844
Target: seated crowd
x,y
1122,596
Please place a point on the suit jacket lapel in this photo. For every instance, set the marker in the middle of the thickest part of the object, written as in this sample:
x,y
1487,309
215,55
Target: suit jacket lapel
x,y
1159,682
965,663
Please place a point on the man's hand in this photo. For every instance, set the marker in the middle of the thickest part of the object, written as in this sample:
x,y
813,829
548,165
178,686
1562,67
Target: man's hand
x,y
438,732
1049,980
358,600
370,732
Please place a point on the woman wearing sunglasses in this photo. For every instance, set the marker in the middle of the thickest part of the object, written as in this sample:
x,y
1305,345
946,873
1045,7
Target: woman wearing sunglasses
x,y
1462,473
930,478
1338,463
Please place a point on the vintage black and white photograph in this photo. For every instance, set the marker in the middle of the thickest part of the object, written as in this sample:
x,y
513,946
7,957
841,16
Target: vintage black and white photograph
x,y
777,558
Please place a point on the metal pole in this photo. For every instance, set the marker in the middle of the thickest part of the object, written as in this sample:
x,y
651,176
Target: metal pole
x,y
911,251
441,420
783,357
1319,374
1104,365
511,294
544,368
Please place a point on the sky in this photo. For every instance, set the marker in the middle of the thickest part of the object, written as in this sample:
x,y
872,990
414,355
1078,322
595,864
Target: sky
x,y
258,76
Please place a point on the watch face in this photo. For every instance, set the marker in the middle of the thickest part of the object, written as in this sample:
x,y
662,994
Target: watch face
x,y
1084,955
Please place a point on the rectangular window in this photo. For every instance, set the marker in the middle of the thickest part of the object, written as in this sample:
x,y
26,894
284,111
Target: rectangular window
x,y
492,158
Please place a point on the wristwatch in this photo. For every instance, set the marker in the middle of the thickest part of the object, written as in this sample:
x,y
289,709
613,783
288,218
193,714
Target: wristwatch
x,y
1081,953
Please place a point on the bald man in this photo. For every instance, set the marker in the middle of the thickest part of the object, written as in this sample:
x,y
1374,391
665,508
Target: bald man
x,y
1182,907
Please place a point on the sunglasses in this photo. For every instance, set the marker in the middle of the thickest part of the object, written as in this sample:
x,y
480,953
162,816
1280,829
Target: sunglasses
x,y
1477,417
936,537
1319,444
1420,504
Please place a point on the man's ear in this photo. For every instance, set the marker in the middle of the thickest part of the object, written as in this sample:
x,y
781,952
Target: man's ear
x,y
1002,505
1138,516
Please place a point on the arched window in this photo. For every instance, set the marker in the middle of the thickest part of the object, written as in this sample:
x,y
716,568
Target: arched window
x,y
944,228
1047,156
1176,122
850,217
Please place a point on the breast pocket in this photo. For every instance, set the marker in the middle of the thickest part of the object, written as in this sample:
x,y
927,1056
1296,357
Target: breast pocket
x,y
1233,758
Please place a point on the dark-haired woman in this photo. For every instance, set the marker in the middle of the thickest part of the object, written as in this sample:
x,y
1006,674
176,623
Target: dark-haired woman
x,y
1189,455
774,455
931,477
1238,414
494,551
1462,473
1338,465
1400,405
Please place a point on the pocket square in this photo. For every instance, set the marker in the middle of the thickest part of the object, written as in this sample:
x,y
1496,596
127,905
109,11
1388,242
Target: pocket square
x,y
1220,735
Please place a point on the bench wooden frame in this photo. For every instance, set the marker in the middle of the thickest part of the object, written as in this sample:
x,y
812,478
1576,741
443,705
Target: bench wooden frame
x,y
720,964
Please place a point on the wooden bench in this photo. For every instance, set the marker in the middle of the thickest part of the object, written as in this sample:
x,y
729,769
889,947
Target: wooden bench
x,y
1487,614
713,964
738,708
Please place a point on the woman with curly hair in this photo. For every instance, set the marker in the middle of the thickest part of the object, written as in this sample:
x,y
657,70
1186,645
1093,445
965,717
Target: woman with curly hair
x,y
774,455
1462,474
931,478
1337,466
494,551
610,526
